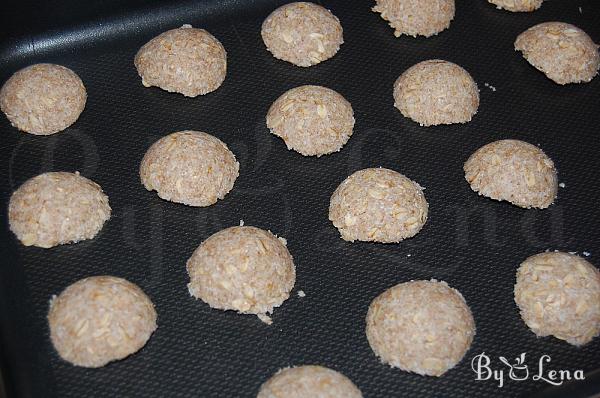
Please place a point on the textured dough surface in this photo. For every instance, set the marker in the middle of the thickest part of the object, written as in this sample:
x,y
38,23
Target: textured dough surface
x,y
189,167
378,205
302,33
515,171
416,17
517,5
245,269
423,327
43,99
312,120
563,52
558,294
308,381
186,60
100,319
56,208
436,92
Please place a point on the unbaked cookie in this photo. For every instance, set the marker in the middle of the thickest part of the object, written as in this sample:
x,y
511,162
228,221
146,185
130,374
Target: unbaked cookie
x,y
309,381
189,167
563,52
518,5
436,92
43,99
416,17
100,319
515,171
559,294
312,120
378,205
423,327
302,33
245,269
56,208
186,60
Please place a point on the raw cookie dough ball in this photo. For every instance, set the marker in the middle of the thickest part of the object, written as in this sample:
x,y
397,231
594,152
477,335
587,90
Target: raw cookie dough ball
x,y
559,294
565,53
56,208
416,17
245,269
304,34
100,319
424,327
312,120
436,92
378,205
308,381
189,167
518,5
186,60
515,171
43,99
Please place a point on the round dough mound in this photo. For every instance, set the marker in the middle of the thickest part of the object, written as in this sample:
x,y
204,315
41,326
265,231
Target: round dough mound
x,y
559,294
308,381
43,99
565,53
245,269
312,120
436,92
416,17
515,171
185,60
56,208
424,327
304,34
100,319
189,167
378,205
517,5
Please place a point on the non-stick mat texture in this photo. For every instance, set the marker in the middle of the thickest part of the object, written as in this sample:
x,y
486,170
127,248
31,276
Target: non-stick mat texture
x,y
473,243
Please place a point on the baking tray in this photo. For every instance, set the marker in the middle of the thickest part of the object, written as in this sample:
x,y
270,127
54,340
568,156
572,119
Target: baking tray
x,y
473,243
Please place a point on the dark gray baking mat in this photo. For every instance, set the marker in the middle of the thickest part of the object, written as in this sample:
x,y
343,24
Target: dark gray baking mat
x,y
473,243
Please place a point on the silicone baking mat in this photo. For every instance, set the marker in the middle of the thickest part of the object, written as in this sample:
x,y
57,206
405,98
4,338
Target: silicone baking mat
x,y
473,243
